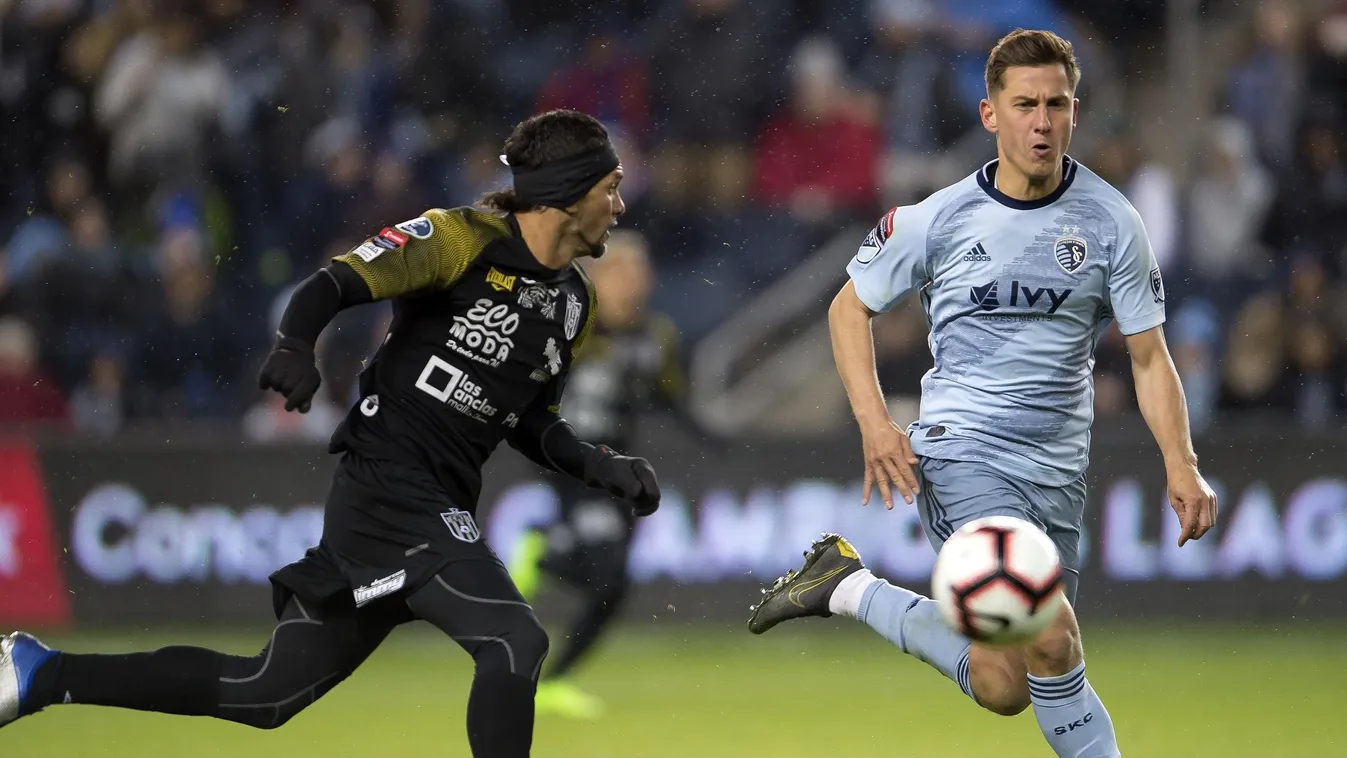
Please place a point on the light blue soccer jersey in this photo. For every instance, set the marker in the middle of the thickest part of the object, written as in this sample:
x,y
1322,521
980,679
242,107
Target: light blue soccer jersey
x,y
1016,295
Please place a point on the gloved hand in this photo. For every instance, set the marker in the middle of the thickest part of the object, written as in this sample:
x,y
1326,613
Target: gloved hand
x,y
626,477
290,370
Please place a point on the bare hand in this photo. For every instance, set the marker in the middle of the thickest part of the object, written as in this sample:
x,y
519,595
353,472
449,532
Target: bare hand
x,y
1193,502
888,463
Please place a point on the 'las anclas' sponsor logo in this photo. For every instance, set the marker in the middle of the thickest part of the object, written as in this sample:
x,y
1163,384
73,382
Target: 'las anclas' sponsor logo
x,y
449,385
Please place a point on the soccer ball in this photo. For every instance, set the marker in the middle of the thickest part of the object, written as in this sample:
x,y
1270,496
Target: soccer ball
x,y
996,581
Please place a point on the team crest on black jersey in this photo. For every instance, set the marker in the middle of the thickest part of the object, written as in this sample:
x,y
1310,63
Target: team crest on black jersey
x,y
1070,249
461,525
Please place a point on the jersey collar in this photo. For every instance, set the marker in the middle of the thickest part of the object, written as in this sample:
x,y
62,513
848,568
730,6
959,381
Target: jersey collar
x,y
987,180
515,253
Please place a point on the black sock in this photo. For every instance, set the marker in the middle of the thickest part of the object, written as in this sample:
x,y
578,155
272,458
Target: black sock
x,y
500,716
180,680
599,609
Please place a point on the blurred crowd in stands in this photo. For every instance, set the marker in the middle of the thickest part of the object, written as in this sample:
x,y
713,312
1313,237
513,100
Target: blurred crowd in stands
x,y
170,168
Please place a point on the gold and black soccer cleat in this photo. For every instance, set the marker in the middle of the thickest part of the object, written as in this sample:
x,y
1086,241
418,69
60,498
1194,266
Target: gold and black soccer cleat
x,y
805,592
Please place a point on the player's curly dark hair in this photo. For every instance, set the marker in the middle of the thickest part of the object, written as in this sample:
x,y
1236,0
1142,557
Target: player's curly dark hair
x,y
549,136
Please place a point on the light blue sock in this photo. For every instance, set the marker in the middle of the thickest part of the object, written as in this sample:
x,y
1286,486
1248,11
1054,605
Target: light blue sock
x,y
1071,716
914,624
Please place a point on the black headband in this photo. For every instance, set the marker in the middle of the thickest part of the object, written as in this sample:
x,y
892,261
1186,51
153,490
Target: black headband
x,y
561,184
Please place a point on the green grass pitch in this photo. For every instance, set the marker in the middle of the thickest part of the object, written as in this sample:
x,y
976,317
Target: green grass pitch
x,y
821,687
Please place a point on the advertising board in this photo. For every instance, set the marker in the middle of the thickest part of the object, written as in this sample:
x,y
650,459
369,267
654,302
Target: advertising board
x,y
189,533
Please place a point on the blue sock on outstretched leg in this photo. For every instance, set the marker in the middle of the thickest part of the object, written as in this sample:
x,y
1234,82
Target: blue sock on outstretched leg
x,y
1070,714
908,620
1072,717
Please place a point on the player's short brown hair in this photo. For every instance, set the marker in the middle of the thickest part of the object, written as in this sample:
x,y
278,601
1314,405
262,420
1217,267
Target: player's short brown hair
x,y
1030,47
546,137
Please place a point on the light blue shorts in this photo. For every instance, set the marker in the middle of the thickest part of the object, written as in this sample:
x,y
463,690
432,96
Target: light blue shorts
x,y
956,492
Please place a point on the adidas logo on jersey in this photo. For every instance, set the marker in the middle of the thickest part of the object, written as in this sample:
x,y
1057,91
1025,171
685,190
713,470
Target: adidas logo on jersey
x,y
977,255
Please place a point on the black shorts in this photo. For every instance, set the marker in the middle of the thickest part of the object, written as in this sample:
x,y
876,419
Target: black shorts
x,y
386,530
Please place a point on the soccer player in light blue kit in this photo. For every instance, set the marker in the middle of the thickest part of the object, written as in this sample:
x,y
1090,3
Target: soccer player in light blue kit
x,y
1019,267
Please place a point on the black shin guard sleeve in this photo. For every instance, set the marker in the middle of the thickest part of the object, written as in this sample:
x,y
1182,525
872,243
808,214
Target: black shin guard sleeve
x,y
179,680
500,715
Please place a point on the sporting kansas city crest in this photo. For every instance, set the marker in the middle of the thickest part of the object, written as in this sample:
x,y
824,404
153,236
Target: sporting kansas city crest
x,y
461,525
1070,249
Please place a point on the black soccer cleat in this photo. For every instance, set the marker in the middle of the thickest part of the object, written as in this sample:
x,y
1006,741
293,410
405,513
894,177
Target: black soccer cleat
x,y
805,592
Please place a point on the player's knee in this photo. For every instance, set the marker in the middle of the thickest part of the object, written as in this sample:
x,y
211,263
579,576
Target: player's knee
x,y
264,708
266,691
531,647
1058,649
520,650
1009,704
269,718
999,683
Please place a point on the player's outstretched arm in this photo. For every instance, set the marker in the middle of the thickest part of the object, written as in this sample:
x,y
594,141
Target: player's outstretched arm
x,y
1160,396
290,368
888,452
546,438
426,252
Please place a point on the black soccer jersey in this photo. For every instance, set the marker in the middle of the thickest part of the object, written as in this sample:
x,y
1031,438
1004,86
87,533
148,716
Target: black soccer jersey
x,y
481,331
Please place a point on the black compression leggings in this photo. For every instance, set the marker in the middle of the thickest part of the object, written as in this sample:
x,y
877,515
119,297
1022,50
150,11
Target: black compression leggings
x,y
312,651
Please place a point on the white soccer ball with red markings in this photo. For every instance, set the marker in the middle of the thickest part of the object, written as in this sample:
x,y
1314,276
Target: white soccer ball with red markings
x,y
996,580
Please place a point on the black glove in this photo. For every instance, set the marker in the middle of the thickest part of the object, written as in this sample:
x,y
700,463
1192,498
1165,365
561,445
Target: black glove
x,y
632,479
290,370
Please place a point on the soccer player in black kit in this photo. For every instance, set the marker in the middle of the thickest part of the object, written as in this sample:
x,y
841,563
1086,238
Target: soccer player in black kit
x,y
629,364
489,308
